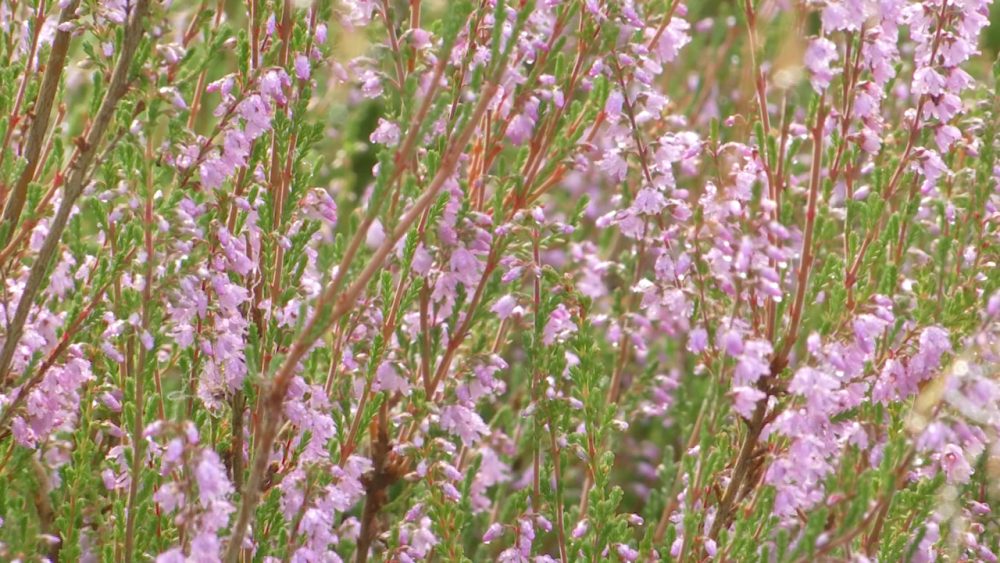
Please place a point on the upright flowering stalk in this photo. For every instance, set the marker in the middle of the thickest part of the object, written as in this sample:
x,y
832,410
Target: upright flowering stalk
x,y
580,280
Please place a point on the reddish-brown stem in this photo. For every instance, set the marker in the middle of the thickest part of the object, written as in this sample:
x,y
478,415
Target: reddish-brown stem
x,y
328,311
397,55
138,443
754,428
28,73
79,169
805,263
39,124
557,473
911,139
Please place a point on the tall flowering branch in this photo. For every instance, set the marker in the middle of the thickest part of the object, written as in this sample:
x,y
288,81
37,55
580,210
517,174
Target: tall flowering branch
x,y
77,172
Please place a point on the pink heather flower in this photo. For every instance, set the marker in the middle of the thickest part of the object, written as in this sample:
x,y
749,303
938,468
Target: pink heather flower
x,y
466,267
993,305
464,423
175,555
213,484
212,173
371,84
697,340
945,136
711,547
731,342
944,107
675,547
168,496
870,142
745,400
929,164
626,553
954,464
493,532
414,513
868,328
359,12
173,452
844,15
926,80
388,379
114,10
527,529
505,307
649,202
614,165
753,363
933,345
420,38
816,386
386,133
422,261
321,32
174,96
423,538
235,149
819,54
958,80
230,295
672,40
320,206
302,69
256,115
979,508
224,86
613,107
110,401
522,125
375,236
60,281
559,326
273,84
894,383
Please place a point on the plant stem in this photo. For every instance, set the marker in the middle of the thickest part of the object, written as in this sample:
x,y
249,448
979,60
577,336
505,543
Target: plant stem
x,y
39,125
316,325
78,170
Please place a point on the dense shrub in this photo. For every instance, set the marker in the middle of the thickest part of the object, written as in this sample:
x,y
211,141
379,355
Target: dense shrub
x,y
577,280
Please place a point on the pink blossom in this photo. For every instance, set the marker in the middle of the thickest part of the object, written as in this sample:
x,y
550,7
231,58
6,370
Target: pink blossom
x,y
820,53
559,326
387,133
302,69
745,399
926,80
376,235
388,379
505,307
464,423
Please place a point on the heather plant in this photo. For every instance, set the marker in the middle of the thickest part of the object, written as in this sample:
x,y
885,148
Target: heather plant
x,y
498,280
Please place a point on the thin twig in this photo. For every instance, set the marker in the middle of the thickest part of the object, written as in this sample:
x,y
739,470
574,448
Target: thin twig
x,y
78,169
40,124
316,325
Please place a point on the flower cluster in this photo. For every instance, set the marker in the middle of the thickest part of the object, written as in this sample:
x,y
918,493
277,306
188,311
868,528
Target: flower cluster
x,y
582,280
